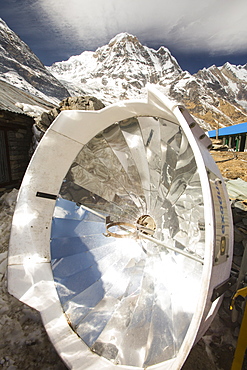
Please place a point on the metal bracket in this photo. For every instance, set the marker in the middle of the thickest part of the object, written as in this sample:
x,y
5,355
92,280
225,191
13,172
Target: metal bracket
x,y
223,287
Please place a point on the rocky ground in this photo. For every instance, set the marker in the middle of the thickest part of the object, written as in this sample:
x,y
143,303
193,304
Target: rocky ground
x,y
24,343
232,165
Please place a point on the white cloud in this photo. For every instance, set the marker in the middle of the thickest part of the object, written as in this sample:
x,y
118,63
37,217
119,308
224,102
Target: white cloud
x,y
214,26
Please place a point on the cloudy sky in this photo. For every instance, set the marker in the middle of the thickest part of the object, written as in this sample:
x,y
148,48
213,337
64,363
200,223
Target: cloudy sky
x,y
198,33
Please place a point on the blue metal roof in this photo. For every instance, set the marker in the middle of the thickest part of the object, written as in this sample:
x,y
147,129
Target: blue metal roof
x,y
230,130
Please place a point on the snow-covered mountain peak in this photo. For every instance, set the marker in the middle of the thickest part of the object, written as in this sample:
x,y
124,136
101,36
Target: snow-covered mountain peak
x,y
234,72
120,69
123,38
229,66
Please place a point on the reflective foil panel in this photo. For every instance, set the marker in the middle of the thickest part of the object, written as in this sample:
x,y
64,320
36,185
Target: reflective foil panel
x,y
130,204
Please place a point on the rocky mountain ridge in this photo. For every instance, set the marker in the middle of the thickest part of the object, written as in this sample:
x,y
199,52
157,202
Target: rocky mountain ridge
x,y
121,70
216,96
229,81
20,67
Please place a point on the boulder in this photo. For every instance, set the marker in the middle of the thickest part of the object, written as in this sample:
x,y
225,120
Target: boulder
x,y
70,103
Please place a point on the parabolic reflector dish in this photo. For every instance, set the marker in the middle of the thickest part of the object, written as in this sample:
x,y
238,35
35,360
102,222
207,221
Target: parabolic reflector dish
x,y
121,233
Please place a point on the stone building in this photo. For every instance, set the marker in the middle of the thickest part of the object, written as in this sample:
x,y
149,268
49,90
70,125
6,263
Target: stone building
x,y
15,144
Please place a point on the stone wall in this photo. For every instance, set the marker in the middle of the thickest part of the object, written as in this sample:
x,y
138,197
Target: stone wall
x,y
71,103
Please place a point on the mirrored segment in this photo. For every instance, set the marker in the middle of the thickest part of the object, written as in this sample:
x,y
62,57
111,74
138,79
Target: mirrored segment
x,y
127,241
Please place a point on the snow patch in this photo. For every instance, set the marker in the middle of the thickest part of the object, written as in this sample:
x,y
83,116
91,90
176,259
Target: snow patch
x,y
31,110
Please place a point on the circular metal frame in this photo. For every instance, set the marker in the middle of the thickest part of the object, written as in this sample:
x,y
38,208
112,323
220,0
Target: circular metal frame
x,y
30,277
